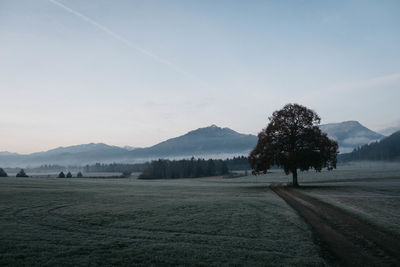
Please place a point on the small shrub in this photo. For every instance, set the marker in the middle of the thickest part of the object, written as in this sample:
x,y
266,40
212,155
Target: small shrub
x,y
61,175
69,175
79,175
21,174
3,173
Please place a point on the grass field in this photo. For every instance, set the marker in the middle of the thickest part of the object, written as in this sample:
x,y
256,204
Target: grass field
x,y
376,201
127,221
370,191
207,221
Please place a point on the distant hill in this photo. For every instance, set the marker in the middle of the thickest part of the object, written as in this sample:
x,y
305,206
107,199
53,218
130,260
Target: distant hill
x,y
85,148
71,155
6,153
212,140
390,130
205,142
387,149
129,148
350,134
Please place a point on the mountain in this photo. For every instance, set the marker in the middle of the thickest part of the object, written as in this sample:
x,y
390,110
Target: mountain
x,y
207,142
129,148
6,153
387,149
350,134
71,155
390,130
202,142
86,148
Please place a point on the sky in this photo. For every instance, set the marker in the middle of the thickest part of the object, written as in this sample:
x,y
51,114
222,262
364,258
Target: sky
x,y
127,72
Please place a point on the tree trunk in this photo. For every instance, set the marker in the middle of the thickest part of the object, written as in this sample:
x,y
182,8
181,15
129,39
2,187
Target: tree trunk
x,y
295,183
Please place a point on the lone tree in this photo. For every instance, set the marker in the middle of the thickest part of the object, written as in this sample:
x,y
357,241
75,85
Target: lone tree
x,y
3,173
79,175
292,140
61,175
21,174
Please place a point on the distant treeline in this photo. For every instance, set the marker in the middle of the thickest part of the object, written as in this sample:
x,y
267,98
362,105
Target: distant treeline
x,y
188,168
388,149
21,173
185,168
116,167
48,167
45,168
238,163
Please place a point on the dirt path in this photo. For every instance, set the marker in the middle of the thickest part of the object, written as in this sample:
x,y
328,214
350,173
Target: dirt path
x,y
353,241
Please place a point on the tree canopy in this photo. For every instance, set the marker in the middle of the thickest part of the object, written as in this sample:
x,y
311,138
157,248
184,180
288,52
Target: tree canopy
x,y
292,140
61,175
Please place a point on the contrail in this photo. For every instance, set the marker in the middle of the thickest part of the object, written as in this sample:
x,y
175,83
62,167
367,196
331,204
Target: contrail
x,y
122,39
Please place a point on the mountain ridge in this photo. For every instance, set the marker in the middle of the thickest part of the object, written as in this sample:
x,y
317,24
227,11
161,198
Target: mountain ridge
x,y
350,134
210,141
387,149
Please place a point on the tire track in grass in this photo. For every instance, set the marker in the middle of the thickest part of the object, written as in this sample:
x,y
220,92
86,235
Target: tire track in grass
x,y
52,212
153,237
171,236
353,241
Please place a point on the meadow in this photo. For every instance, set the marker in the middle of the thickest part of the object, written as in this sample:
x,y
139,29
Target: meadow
x,y
47,221
204,221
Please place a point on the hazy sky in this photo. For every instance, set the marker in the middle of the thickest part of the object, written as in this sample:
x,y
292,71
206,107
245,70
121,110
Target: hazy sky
x,y
139,72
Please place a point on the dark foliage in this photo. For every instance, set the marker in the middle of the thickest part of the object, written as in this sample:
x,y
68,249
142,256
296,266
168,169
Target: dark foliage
x,y
45,169
21,173
3,173
49,167
292,140
164,169
387,149
79,175
69,175
116,167
238,163
61,175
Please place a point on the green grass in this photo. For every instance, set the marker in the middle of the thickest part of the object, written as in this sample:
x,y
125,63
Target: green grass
x,y
375,201
206,221
363,170
373,193
93,222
